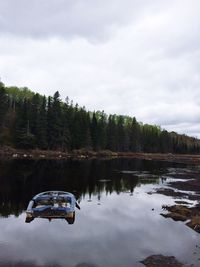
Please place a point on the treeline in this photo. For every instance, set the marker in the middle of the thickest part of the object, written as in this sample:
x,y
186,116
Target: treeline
x,y
31,121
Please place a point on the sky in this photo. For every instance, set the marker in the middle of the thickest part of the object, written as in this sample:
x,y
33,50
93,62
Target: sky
x,y
133,57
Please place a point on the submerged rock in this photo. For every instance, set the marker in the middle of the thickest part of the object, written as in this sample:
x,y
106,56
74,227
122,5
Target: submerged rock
x,y
161,261
195,223
170,192
175,216
177,212
175,194
183,213
183,202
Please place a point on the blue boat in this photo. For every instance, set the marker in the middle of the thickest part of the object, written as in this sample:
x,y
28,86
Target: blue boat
x,y
52,205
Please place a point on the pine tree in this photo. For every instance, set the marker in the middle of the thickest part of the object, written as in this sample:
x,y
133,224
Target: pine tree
x,y
42,125
102,124
94,132
3,109
66,135
111,133
24,138
34,123
54,122
120,134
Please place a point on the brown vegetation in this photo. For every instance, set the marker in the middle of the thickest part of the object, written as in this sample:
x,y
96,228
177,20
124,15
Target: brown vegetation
x,y
184,213
10,153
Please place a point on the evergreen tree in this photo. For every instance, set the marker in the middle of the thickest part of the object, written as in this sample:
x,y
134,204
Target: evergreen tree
x,y
54,122
102,125
66,134
85,137
76,128
34,113
28,120
42,125
3,109
94,132
112,133
135,142
23,135
120,134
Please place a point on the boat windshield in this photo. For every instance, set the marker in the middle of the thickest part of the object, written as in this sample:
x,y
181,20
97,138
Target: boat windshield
x,y
58,201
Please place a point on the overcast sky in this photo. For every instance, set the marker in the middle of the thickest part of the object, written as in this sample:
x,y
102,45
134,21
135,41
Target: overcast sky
x,y
132,57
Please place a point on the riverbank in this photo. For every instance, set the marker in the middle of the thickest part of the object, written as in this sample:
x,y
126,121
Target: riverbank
x,y
8,153
184,187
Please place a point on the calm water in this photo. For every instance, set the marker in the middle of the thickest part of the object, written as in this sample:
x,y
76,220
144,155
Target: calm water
x,y
116,225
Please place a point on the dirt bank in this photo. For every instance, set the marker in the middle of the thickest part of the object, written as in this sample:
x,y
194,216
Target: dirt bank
x,y
12,153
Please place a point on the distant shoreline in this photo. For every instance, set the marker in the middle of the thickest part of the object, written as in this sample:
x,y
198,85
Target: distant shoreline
x,y
8,153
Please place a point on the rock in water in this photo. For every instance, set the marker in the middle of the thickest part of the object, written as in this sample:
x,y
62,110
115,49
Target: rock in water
x,y
161,261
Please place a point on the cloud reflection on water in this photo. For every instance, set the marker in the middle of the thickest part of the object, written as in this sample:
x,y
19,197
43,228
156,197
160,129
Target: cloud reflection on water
x,y
122,231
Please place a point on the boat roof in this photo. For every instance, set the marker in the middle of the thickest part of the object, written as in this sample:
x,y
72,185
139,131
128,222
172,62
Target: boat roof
x,y
54,194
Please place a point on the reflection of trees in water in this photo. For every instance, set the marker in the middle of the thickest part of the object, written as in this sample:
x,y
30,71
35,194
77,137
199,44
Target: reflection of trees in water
x,y
27,264
85,265
33,264
22,179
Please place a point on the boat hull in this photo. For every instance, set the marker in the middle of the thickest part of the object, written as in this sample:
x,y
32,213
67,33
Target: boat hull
x,y
52,205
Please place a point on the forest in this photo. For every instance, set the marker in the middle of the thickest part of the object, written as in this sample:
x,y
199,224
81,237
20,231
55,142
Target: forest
x,y
29,120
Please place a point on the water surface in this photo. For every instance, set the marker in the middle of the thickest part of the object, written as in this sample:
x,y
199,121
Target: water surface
x,y
119,224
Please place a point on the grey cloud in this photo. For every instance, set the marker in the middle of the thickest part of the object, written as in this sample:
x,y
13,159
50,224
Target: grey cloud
x,y
148,67
89,19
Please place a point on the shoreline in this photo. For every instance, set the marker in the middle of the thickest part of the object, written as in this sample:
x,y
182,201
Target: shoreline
x,y
8,153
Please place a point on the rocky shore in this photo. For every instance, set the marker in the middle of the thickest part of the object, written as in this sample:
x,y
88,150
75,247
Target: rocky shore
x,y
184,213
8,153
186,188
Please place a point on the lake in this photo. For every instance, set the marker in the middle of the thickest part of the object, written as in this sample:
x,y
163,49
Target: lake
x,y
119,223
